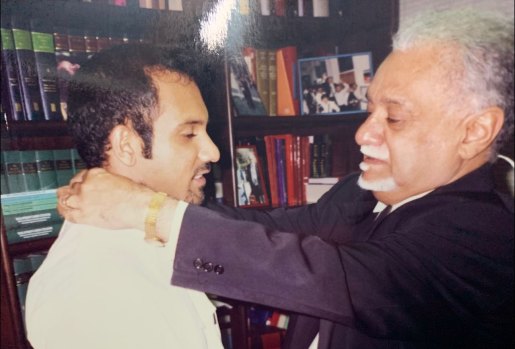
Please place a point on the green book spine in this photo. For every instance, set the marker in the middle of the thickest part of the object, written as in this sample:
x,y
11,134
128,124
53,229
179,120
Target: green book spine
x,y
10,75
272,83
30,170
22,265
27,73
78,163
27,219
63,166
14,171
33,233
262,80
3,176
44,53
46,169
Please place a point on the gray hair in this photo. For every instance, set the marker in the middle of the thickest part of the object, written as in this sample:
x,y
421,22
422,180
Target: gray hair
x,y
485,41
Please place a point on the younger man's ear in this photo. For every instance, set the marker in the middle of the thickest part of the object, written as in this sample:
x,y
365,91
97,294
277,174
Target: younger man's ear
x,y
481,130
125,144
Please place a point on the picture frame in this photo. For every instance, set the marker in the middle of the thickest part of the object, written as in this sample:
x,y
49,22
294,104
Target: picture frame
x,y
250,182
334,84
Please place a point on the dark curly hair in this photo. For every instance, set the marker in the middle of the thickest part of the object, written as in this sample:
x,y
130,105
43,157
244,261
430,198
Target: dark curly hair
x,y
115,87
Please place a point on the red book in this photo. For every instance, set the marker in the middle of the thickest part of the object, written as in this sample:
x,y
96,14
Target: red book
x,y
272,170
287,103
279,7
306,165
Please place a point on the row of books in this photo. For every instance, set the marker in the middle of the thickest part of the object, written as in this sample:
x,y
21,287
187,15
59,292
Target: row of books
x,y
170,5
285,163
33,170
301,8
38,61
30,215
29,180
263,82
24,267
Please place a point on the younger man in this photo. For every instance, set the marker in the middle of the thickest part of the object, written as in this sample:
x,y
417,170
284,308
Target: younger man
x,y
141,116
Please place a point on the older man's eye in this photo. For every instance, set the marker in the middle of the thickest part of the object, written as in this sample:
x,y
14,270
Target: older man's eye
x,y
393,120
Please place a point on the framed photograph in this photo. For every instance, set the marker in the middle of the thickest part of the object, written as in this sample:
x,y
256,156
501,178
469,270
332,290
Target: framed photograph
x,y
249,178
334,84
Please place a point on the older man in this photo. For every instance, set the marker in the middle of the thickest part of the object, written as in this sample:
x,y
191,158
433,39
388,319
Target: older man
x,y
435,269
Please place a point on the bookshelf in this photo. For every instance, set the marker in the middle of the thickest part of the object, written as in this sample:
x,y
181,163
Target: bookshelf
x,y
363,26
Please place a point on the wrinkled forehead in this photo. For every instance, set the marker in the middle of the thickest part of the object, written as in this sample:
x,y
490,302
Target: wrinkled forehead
x,y
426,67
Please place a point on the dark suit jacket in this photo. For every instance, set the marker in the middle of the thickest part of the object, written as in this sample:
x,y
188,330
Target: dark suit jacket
x,y
435,273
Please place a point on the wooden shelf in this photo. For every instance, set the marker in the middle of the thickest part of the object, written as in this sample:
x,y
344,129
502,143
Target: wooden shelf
x,y
246,126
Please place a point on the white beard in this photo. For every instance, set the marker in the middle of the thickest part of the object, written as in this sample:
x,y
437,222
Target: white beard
x,y
387,184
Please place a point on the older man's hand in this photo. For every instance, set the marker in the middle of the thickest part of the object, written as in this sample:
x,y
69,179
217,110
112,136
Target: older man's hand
x,y
97,197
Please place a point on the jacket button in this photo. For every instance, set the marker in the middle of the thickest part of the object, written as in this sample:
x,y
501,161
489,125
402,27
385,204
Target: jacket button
x,y
208,267
197,263
219,269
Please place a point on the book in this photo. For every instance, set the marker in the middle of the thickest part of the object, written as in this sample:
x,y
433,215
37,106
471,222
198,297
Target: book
x,y
306,164
272,83
280,157
30,170
77,162
320,8
272,170
27,73
63,166
175,5
33,233
287,103
4,188
279,7
13,171
11,90
262,80
46,169
286,142
245,97
265,7
44,54
30,215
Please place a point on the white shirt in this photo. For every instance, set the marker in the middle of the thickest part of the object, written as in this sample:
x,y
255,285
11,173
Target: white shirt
x,y
101,289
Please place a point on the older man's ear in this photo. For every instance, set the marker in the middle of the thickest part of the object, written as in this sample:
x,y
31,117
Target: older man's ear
x,y
480,131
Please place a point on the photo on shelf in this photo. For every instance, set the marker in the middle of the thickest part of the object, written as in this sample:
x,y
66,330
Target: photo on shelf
x,y
334,84
244,94
249,178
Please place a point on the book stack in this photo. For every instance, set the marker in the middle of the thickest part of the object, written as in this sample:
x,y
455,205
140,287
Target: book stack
x,y
38,60
288,161
30,215
301,8
29,180
271,74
